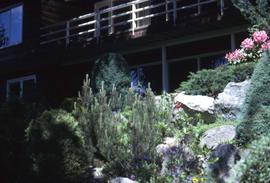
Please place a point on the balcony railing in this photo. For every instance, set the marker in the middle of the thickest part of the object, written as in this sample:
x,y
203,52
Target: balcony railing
x,y
124,18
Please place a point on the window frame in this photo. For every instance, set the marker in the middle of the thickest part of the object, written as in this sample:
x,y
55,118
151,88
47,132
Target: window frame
x,y
9,8
21,81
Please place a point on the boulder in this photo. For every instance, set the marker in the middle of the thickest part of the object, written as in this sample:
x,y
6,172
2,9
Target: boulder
x,y
122,180
218,135
98,175
229,102
196,103
171,151
221,161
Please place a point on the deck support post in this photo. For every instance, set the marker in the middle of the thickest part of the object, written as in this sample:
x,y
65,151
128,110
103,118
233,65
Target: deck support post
x,y
111,28
199,7
166,10
221,7
97,31
165,75
133,18
67,33
233,44
174,12
198,63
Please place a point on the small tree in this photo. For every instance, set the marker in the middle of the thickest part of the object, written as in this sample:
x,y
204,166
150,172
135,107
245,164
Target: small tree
x,y
120,128
111,69
256,108
258,13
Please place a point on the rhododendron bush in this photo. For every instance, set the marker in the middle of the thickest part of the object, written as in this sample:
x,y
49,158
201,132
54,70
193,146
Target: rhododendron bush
x,y
251,49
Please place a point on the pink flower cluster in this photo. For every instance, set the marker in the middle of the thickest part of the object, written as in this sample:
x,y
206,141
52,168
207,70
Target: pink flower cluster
x,y
247,43
260,36
236,56
266,46
251,48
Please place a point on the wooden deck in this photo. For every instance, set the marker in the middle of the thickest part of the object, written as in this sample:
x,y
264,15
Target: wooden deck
x,y
130,20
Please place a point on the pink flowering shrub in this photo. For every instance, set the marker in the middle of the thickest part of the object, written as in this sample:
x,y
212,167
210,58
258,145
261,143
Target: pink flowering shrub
x,y
247,44
266,46
260,36
251,49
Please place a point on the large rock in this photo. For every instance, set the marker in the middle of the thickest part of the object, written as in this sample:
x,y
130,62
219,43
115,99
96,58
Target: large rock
x,y
196,103
215,136
171,151
98,175
122,180
229,102
221,161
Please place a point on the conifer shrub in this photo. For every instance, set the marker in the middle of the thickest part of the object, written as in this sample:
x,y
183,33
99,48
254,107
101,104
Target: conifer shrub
x,y
57,148
12,141
254,165
256,108
210,82
256,12
14,119
121,129
111,69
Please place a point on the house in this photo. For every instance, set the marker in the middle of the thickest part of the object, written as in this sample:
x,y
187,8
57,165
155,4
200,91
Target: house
x,y
49,45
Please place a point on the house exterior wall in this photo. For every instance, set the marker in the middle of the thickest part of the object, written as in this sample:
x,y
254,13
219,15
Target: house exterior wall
x,y
166,52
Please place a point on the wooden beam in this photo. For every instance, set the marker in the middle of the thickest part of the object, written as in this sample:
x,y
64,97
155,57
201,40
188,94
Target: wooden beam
x,y
185,39
165,75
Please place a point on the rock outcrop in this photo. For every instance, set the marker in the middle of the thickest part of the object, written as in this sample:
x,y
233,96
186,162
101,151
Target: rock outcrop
x,y
228,103
223,158
196,103
215,136
122,180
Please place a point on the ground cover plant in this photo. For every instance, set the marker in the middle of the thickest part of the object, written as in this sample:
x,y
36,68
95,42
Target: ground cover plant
x,y
212,81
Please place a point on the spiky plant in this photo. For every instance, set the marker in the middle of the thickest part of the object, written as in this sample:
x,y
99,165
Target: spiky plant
x,y
121,129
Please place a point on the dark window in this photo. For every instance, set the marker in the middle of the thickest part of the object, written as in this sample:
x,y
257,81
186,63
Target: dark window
x,y
11,23
21,87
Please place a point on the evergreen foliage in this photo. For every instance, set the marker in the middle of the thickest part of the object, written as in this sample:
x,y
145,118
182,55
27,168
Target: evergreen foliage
x,y
212,81
258,13
57,148
121,130
15,164
254,165
256,109
111,69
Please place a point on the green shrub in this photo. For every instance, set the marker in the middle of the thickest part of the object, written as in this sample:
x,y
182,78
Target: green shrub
x,y
254,165
256,108
57,148
111,69
212,81
121,129
68,104
15,161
